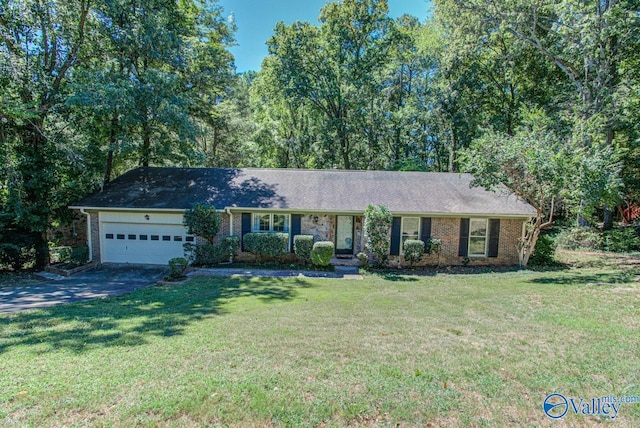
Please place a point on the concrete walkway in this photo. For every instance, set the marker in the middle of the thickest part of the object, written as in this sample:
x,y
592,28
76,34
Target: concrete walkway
x,y
341,272
103,281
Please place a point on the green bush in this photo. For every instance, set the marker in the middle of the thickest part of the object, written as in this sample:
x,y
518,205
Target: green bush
x,y
434,245
363,258
377,229
205,254
579,238
544,253
266,244
413,250
17,247
302,246
322,253
177,267
79,256
60,254
231,246
621,240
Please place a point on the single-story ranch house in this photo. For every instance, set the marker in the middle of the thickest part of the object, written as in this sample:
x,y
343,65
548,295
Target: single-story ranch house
x,y
137,218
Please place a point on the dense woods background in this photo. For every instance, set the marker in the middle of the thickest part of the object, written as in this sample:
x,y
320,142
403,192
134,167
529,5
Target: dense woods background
x,y
543,96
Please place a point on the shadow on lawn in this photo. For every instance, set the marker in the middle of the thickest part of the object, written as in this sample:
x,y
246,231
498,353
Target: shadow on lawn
x,y
129,320
576,278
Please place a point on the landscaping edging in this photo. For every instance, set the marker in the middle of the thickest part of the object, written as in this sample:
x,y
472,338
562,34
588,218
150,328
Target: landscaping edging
x,y
67,272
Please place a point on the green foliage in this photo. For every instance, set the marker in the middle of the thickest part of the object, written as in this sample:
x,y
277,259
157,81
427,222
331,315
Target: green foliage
x,y
16,248
203,221
363,258
269,245
621,240
434,245
302,245
177,268
60,254
544,253
322,253
377,229
79,255
231,245
413,250
205,254
579,238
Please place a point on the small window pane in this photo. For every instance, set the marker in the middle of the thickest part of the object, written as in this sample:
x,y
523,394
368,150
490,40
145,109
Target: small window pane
x,y
143,237
189,239
177,238
477,246
410,227
120,236
264,222
132,237
279,222
166,238
109,235
478,227
155,237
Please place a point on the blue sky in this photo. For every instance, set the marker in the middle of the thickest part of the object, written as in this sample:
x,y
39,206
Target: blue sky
x,y
256,19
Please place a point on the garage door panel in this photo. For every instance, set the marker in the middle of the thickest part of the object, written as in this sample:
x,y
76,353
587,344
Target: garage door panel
x,y
142,243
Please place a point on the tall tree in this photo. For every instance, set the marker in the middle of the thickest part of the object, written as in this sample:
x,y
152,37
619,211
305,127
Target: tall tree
x,y
40,43
330,67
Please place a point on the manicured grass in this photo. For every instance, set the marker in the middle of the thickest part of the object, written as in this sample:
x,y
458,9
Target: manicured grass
x,y
479,349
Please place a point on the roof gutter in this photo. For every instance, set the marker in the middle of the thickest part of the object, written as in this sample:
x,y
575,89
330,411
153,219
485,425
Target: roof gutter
x,y
89,240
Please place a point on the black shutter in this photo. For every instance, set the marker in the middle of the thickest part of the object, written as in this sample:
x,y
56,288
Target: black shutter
x,y
494,236
463,248
425,232
395,236
246,227
296,221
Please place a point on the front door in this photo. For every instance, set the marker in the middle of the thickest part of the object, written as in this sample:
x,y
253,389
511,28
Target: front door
x,y
344,234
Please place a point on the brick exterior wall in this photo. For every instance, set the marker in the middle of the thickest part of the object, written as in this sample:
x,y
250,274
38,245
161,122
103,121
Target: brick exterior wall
x,y
73,234
448,231
322,227
95,236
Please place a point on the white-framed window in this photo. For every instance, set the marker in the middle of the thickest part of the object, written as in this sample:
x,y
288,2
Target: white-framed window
x,y
270,222
478,237
410,230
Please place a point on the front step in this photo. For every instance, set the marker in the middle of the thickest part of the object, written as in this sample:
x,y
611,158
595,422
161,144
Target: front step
x,y
345,261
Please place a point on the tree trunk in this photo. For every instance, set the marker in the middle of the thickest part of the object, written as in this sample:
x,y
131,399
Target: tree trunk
x,y
38,180
112,145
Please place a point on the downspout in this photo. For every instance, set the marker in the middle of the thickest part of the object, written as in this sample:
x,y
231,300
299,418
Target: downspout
x,y
228,211
89,240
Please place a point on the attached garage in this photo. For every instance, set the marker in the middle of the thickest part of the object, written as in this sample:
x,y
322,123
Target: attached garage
x,y
141,238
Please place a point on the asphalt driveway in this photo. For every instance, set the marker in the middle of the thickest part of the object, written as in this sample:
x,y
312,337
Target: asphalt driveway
x,y
103,281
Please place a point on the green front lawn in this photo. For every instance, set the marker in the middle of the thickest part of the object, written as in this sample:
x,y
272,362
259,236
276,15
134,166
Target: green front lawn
x,y
471,349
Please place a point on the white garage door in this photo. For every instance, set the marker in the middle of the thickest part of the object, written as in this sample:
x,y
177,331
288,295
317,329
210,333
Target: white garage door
x,y
142,243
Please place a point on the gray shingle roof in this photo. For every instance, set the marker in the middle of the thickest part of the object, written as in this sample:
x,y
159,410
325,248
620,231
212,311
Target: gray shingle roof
x,y
304,190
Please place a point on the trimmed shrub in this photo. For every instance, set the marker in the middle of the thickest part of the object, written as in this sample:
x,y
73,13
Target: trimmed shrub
x,y
413,250
79,256
302,246
177,267
544,253
205,254
203,221
322,253
377,230
621,240
579,238
60,254
231,246
434,245
266,244
363,258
